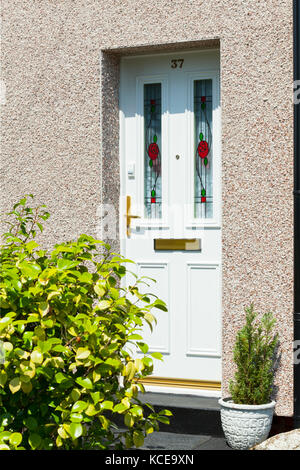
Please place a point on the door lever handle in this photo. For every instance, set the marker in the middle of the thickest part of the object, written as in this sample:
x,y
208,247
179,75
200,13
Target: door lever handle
x,y
129,216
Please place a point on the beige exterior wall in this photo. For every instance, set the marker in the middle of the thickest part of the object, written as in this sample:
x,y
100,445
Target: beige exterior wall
x,y
56,144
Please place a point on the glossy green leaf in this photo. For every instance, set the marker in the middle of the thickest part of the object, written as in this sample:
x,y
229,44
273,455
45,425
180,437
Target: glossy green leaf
x,y
5,435
37,357
120,407
4,447
30,246
76,417
128,420
79,406
4,321
60,377
100,291
15,439
85,382
30,270
163,419
82,353
75,430
44,308
65,263
15,385
165,413
31,423
138,438
107,405
34,440
104,304
75,394
157,355
3,378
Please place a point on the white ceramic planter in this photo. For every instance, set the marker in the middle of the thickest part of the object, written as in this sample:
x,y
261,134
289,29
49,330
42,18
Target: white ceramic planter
x,y
245,425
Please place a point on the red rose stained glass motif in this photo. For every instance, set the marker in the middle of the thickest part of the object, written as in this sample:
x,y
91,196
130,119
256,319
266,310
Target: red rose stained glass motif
x,y
156,166
203,146
153,151
203,149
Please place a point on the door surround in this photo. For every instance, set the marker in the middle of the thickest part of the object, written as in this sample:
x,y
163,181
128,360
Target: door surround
x,y
110,138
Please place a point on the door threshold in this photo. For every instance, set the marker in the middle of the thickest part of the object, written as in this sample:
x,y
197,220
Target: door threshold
x,y
202,388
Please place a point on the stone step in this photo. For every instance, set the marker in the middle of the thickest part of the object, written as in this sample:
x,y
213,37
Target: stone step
x,y
198,416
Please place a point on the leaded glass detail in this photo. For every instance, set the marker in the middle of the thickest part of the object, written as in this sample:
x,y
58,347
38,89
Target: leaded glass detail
x,y
152,157
203,207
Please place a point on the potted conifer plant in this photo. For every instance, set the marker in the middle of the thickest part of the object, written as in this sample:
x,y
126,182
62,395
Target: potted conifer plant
x,y
247,415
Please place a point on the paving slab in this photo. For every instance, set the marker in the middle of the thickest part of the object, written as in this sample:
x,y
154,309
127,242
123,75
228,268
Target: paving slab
x,y
214,443
173,441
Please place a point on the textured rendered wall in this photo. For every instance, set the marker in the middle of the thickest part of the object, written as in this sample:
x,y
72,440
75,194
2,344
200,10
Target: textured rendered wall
x,y
55,132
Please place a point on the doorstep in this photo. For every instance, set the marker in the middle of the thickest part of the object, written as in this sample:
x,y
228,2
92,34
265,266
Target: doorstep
x,y
192,415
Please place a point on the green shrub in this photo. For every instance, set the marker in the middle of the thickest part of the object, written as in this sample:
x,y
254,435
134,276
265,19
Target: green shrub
x,y
254,355
66,329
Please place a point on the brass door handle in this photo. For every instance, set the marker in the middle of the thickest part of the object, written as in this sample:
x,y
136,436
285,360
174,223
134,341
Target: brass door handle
x,y
129,216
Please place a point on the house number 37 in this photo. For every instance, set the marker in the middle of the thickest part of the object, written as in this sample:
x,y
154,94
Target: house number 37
x,y
177,63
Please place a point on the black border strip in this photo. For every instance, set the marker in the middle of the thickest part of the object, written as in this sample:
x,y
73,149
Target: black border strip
x,y
296,216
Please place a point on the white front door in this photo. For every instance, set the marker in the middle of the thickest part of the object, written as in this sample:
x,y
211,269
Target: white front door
x,y
170,177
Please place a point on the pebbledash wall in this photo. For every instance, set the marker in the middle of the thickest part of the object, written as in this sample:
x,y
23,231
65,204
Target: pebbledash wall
x,y
60,79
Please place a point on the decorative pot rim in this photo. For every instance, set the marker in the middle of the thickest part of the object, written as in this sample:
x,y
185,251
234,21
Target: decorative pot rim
x,y
228,403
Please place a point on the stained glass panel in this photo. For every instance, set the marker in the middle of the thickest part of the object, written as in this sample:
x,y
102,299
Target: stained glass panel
x,y
203,207
152,157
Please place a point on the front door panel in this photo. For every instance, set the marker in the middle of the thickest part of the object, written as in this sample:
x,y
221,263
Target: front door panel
x,y
170,178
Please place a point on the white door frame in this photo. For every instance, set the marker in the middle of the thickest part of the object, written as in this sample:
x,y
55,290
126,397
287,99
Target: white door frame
x,y
189,220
